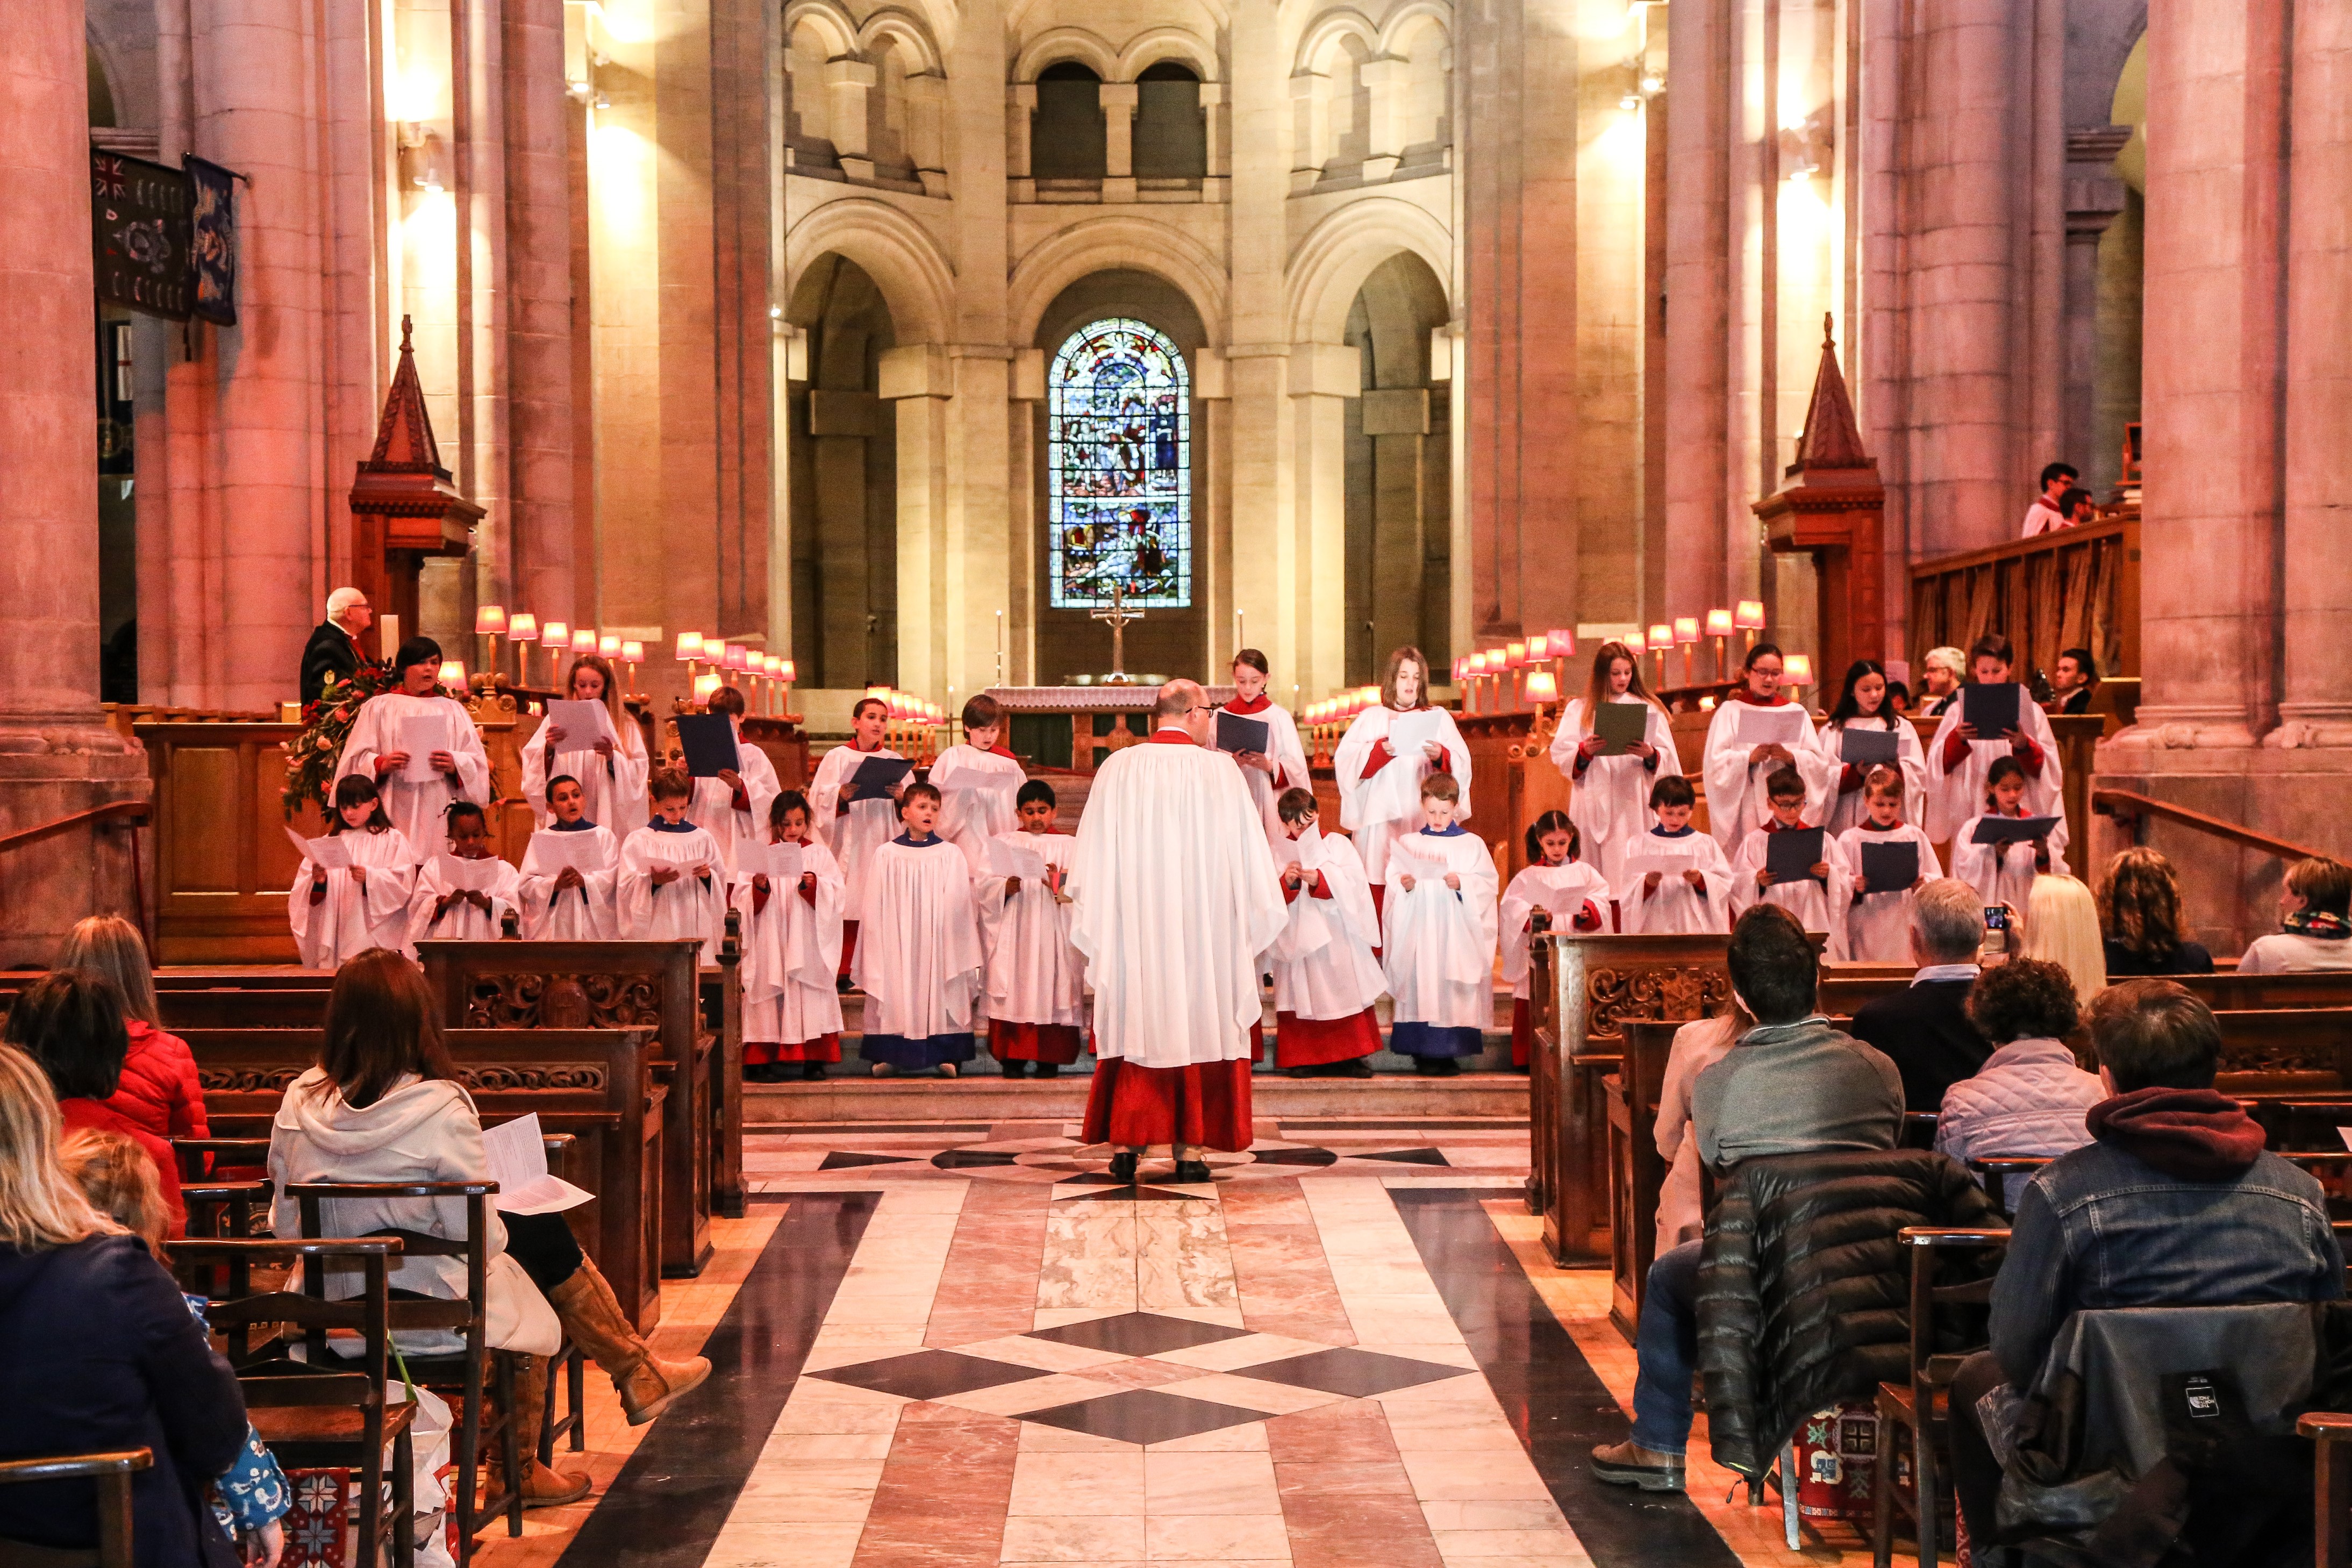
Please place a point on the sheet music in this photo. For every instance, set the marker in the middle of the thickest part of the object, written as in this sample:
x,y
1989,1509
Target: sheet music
x,y
959,775
781,864
1011,860
584,724
552,852
516,1151
1411,730
422,735
464,875
324,853
1770,726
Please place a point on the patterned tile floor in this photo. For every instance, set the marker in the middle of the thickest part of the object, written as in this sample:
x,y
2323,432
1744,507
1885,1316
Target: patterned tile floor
x,y
959,1345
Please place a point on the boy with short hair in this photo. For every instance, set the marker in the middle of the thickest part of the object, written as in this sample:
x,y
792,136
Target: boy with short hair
x,y
440,907
791,950
977,779
919,963
1036,987
1324,976
1678,882
563,902
673,881
1818,899
1438,936
1877,927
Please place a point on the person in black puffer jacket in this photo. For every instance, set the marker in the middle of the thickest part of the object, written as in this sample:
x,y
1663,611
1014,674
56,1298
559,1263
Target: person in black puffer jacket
x,y
1803,1289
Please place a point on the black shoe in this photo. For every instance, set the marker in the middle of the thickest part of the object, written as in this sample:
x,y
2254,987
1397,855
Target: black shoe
x,y
1122,1167
1014,1069
1427,1066
1191,1173
1049,1069
1354,1067
1446,1067
841,985
813,1071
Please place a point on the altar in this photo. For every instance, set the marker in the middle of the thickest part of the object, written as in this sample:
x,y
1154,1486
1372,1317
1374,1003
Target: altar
x,y
1122,704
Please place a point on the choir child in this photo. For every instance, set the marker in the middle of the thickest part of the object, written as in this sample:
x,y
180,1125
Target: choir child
x,y
733,806
1282,766
969,817
791,951
338,913
1865,707
417,716
1878,925
673,881
2003,872
853,825
1736,769
1960,761
563,902
1678,882
1438,937
1611,802
1036,981
1559,885
1325,978
440,907
919,964
1380,800
1818,899
612,775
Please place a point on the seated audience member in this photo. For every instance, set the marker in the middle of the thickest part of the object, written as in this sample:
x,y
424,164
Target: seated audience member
x,y
2139,910
1698,1046
384,1105
2316,933
98,1354
70,1021
2173,1203
2029,1099
159,1092
2076,680
1925,1029
2061,927
1792,1084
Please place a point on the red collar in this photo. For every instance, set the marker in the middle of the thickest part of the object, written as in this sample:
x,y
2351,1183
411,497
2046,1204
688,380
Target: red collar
x,y
863,750
1258,703
1773,825
1748,694
1172,737
1001,751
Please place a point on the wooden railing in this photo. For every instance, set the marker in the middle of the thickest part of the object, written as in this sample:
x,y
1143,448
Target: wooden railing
x,y
2128,808
2076,588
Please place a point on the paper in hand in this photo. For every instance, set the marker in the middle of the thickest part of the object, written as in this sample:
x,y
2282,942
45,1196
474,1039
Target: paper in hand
x,y
1867,748
2010,830
422,735
953,776
708,741
552,852
467,876
1620,725
326,853
1638,867
584,724
1991,708
1306,849
781,864
1011,860
1890,868
1759,726
1411,730
1791,854
877,774
1239,733
517,1150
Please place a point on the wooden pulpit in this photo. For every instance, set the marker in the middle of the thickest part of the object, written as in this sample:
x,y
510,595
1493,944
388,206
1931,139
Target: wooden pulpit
x,y
1834,507
403,506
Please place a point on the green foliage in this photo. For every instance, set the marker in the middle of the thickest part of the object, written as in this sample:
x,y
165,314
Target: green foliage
x,y
311,756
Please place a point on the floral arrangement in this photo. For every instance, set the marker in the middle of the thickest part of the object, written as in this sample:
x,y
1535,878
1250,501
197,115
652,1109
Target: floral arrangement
x,y
311,756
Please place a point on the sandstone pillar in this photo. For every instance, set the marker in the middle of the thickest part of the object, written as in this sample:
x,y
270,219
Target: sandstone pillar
x,y
543,571
847,83
2093,197
1323,377
1118,104
1697,315
917,380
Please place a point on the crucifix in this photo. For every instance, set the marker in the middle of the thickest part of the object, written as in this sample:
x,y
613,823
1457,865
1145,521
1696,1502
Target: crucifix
x,y
1117,617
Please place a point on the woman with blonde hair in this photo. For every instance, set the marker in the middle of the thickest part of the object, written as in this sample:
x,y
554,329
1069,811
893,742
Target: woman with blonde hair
x,y
2061,927
2140,908
1380,790
160,1091
2314,922
612,771
1611,802
99,1355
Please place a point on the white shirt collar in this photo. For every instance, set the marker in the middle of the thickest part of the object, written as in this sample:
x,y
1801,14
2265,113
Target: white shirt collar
x,y
1932,972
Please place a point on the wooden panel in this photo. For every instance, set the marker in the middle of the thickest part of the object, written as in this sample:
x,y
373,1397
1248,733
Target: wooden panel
x,y
2077,587
222,859
197,824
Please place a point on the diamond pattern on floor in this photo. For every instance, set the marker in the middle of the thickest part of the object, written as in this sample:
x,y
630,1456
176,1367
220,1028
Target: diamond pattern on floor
x,y
1143,1416
1139,1333
929,1373
1358,1374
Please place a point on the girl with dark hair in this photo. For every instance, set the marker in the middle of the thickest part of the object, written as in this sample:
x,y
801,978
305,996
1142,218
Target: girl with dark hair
x,y
2003,870
1558,884
2139,915
612,768
336,911
791,949
1611,802
1755,731
1958,758
1866,706
419,746
70,1021
467,892
1379,787
1282,766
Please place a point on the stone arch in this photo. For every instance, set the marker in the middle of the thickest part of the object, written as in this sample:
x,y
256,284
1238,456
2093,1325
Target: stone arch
x,y
830,22
1115,244
1400,26
1055,45
904,262
1154,44
1332,261
905,29
1398,511
1328,33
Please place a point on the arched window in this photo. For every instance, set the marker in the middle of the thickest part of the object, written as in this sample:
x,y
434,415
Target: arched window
x,y
1119,462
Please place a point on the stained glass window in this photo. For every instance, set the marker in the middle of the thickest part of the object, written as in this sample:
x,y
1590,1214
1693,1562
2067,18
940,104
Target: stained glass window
x,y
1119,462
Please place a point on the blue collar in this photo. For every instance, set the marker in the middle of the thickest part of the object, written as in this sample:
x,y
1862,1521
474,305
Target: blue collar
x,y
1451,831
1685,831
1868,826
681,826
908,839
583,826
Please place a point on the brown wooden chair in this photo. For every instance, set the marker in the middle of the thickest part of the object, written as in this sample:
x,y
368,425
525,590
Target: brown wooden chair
x,y
112,1474
1920,1408
2331,1436
1993,1175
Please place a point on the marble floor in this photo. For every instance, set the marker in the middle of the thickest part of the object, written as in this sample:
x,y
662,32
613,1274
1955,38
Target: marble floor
x,y
960,1344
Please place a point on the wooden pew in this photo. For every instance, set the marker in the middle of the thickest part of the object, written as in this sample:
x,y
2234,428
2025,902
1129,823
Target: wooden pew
x,y
275,1007
1845,986
605,1088
1637,1176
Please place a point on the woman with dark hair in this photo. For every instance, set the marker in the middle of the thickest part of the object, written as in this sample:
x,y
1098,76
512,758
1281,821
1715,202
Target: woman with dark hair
x,y
1379,787
2029,1099
1864,706
1755,731
391,726
70,1021
2140,908
336,911
612,768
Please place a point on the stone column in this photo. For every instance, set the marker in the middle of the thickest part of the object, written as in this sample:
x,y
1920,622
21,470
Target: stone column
x,y
847,83
919,379
1310,99
1025,527
545,576
1323,377
978,559
1118,103
1213,124
1386,82
1020,116
1697,315
2093,196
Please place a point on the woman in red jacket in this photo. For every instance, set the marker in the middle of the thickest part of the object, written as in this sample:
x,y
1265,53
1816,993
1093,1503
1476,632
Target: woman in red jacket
x,y
70,1021
160,1094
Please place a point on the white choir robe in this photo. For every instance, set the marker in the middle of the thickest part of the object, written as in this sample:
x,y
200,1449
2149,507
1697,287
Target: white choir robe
x,y
791,951
2006,878
1850,808
419,811
350,921
1384,807
690,907
1735,805
1322,962
1677,909
462,920
1611,803
853,835
1035,974
1438,944
713,808
589,913
970,818
1288,756
1563,891
918,959
1878,925
613,787
1817,906
1955,795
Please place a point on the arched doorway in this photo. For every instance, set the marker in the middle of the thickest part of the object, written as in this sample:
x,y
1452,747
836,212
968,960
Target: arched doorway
x,y
844,482
1399,475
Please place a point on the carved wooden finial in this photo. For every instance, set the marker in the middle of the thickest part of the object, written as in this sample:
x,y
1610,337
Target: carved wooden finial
x,y
404,326
1831,439
403,437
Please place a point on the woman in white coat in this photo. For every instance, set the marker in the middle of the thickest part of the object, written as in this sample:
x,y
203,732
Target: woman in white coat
x,y
1380,790
612,776
1610,802
1863,707
1756,730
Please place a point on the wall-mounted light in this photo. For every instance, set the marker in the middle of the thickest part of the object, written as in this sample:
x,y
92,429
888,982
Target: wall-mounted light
x,y
421,160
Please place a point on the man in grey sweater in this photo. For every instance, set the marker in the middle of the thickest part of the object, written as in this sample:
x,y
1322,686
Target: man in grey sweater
x,y
1792,1086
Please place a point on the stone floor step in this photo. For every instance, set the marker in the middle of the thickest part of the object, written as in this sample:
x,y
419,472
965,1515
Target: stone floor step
x,y
777,1107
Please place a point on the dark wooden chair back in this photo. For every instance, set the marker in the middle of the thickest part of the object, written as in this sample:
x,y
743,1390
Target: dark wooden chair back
x,y
111,1473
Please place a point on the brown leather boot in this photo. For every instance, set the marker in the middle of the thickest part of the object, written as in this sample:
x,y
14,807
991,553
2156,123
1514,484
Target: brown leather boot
x,y
593,1318
542,1487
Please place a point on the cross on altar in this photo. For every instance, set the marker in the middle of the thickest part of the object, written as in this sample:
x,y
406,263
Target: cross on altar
x,y
1117,617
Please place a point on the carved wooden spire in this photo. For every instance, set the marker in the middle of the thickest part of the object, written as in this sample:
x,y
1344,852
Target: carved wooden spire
x,y
1830,439
403,440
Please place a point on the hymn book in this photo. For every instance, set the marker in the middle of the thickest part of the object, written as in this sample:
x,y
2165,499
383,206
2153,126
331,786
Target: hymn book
x,y
1867,748
1239,733
875,776
2010,830
1790,853
708,741
1993,708
1890,868
1621,727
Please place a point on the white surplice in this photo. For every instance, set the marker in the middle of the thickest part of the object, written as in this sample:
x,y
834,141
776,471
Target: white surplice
x,y
1610,804
1283,749
589,913
1676,908
1818,907
1955,795
871,822
419,811
1322,962
1878,925
970,818
1034,973
1382,808
918,956
462,920
1849,808
1735,806
1563,892
791,951
349,920
2008,877
713,808
1176,899
689,906
1438,946
613,787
